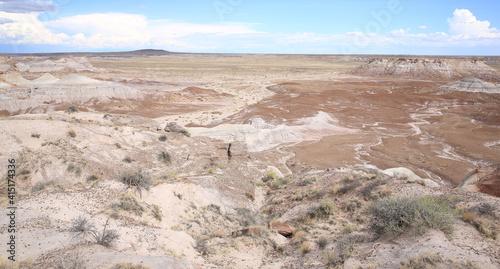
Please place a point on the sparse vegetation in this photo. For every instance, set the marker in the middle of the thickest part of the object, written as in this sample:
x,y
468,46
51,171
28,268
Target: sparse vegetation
x,y
322,242
164,157
46,184
19,264
93,177
127,159
105,237
126,202
138,180
432,260
123,265
81,226
71,133
250,196
305,247
71,109
162,138
156,212
392,216
35,135
70,262
323,211
484,223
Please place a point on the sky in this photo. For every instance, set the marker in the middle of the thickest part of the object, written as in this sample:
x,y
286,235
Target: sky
x,y
417,27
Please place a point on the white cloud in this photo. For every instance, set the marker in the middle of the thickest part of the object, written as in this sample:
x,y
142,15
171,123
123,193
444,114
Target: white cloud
x,y
422,27
27,29
26,6
132,31
465,23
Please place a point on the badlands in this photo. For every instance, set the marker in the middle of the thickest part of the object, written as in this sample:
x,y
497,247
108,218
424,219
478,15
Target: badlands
x,y
152,159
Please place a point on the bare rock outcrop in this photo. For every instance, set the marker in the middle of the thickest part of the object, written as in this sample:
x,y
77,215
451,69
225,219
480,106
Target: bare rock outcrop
x,y
426,68
77,64
282,228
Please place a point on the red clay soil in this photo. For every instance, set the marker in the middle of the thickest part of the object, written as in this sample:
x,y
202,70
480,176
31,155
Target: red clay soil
x,y
402,122
491,183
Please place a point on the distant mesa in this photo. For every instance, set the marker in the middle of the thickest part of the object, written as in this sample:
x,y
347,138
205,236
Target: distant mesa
x,y
471,84
151,51
427,68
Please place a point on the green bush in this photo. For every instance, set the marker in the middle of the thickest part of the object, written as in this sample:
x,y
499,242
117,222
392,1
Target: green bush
x,y
392,216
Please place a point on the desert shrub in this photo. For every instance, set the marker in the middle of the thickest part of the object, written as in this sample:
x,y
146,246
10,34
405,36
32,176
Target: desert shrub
x,y
432,260
307,181
250,196
211,170
41,185
352,204
156,212
93,177
123,265
214,208
349,228
305,247
71,109
138,180
127,159
202,247
18,264
484,209
35,135
348,186
392,216
245,217
279,182
164,157
81,225
71,133
128,203
367,191
484,224
69,262
323,211
105,237
270,176
162,138
322,242
344,248
118,145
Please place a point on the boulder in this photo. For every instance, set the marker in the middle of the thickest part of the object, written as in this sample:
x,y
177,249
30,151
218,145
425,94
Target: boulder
x,y
282,228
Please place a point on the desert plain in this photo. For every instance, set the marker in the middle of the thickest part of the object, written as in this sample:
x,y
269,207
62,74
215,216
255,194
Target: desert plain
x,y
155,159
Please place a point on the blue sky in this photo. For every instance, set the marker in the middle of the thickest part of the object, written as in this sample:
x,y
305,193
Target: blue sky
x,y
253,26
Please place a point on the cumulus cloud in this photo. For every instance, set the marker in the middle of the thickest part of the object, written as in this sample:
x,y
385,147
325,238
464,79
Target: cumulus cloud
x,y
465,23
26,6
422,27
23,28
131,31
5,20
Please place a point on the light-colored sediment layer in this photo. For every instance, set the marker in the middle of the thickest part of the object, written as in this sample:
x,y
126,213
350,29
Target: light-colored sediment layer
x,y
260,136
471,84
77,64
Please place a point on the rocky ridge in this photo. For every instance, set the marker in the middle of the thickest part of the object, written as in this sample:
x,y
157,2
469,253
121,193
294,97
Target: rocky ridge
x,y
426,68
